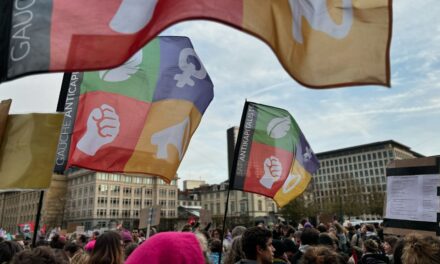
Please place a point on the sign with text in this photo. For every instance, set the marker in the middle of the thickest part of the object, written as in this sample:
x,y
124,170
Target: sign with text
x,y
205,217
149,216
413,197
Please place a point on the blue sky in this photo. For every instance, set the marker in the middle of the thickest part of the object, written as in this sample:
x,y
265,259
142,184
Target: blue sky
x,y
243,67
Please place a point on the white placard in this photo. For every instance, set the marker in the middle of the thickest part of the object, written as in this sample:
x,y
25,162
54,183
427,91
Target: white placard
x,y
413,197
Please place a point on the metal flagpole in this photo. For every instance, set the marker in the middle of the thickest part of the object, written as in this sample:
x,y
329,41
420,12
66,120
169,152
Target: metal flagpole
x,y
37,221
224,222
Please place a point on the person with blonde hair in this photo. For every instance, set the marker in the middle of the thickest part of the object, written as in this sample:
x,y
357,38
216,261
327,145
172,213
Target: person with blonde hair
x,y
235,253
418,250
320,255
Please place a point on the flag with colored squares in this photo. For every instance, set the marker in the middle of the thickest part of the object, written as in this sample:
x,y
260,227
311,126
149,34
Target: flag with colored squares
x,y
272,156
321,43
139,117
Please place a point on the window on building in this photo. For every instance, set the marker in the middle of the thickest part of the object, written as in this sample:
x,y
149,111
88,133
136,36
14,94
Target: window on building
x,y
125,213
163,202
260,205
127,191
148,192
218,208
148,202
115,189
126,202
102,188
114,212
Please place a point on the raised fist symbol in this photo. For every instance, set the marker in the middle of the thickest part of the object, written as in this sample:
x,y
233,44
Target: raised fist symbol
x,y
102,128
272,172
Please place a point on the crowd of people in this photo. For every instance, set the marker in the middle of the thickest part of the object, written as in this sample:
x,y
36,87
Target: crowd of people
x,y
331,243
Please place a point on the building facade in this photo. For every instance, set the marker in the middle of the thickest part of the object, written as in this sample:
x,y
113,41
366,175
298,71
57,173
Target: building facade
x,y
213,198
18,208
100,200
352,177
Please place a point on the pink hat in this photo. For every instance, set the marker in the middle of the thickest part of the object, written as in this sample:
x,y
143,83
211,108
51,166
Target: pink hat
x,y
168,247
126,236
89,246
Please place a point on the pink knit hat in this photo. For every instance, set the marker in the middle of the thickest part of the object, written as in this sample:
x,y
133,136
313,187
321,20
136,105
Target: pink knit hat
x,y
168,247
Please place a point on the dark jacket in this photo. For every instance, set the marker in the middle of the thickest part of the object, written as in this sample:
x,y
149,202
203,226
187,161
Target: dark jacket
x,y
371,258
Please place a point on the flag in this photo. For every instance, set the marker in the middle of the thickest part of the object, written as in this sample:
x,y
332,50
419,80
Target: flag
x,y
321,43
27,151
272,156
139,117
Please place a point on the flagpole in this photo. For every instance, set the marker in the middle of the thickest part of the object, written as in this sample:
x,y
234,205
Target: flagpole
x,y
37,221
64,91
224,222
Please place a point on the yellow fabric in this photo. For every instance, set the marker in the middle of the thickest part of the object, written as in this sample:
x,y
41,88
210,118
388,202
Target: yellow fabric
x,y
27,153
295,184
163,115
360,57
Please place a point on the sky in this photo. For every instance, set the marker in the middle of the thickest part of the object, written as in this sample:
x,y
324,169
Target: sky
x,y
243,67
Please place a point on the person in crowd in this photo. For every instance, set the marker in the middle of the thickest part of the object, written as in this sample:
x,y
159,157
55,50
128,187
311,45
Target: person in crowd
x,y
291,249
326,240
309,237
216,234
237,231
389,245
8,249
419,250
80,258
297,238
126,237
356,255
187,228
91,244
71,249
257,246
107,249
81,241
57,242
235,253
169,247
370,231
215,250
320,255
359,236
129,249
39,255
322,228
279,256
398,251
342,237
373,252
288,232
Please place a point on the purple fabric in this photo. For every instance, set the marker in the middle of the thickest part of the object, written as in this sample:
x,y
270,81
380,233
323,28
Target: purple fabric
x,y
201,93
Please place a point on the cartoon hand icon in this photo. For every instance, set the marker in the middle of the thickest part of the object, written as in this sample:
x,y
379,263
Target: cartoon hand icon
x,y
102,128
272,172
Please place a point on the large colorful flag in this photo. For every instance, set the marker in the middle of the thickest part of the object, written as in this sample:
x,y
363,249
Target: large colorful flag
x,y
27,150
272,156
139,117
321,43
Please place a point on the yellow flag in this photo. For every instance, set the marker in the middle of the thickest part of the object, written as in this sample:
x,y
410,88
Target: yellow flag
x,y
28,149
